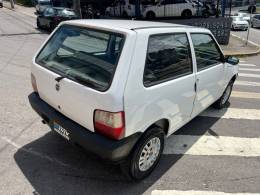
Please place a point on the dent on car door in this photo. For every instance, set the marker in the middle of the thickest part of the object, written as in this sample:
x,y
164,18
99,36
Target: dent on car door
x,y
168,80
210,71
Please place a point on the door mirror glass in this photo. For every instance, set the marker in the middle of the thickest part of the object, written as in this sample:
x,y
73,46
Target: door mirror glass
x,y
232,60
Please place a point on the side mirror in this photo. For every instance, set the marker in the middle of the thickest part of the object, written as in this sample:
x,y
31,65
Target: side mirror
x,y
232,60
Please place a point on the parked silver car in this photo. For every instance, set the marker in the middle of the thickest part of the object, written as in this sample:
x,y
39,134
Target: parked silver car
x,y
255,23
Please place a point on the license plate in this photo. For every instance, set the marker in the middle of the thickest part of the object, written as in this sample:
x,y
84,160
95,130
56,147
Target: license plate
x,y
60,130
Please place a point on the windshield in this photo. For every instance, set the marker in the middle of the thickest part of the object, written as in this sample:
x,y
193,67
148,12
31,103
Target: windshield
x,y
86,56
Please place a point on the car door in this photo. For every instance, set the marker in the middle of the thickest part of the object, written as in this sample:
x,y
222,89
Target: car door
x,y
168,8
210,71
166,89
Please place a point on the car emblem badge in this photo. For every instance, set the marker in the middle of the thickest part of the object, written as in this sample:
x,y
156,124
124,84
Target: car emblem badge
x,y
57,86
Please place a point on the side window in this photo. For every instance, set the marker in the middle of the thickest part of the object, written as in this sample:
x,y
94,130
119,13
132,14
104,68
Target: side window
x,y
168,57
206,50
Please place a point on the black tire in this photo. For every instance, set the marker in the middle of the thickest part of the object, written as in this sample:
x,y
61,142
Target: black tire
x,y
251,9
252,25
223,100
125,15
186,14
38,24
150,15
131,166
205,14
52,27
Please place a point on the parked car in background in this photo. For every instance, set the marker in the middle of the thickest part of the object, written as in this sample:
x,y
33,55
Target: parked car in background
x,y
255,23
170,8
41,5
52,16
238,23
125,8
1,3
245,16
118,88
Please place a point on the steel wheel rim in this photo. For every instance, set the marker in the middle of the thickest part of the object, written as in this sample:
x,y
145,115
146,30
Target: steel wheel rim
x,y
226,94
149,154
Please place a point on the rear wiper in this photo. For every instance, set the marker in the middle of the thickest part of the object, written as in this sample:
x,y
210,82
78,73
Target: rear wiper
x,y
58,79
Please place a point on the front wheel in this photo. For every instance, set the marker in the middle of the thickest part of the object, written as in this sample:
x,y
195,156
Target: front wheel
x,y
145,156
223,100
186,14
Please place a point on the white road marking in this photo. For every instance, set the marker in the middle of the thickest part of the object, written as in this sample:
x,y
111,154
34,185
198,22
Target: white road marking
x,y
247,83
233,113
248,65
192,192
249,75
212,145
35,153
250,69
249,95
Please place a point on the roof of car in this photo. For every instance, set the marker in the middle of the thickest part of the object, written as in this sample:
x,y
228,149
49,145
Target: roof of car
x,y
123,24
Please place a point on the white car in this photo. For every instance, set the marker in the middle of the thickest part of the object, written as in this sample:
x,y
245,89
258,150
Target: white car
x,y
1,3
239,23
245,16
118,88
41,5
169,8
125,8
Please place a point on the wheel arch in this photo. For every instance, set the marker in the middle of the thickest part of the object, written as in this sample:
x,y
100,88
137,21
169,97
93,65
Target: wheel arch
x,y
163,123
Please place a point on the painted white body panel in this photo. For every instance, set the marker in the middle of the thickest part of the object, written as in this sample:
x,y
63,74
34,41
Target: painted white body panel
x,y
169,10
118,10
174,100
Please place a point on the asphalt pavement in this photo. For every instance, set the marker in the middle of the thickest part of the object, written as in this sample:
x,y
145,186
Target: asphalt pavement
x,y
216,153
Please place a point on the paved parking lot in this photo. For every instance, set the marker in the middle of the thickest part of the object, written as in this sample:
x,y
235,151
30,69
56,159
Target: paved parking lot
x,y
218,151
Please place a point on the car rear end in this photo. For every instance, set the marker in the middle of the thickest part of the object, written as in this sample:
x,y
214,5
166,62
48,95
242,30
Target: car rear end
x,y
78,77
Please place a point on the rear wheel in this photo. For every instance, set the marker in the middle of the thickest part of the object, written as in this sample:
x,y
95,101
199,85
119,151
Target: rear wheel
x,y
125,15
223,100
145,156
186,14
251,9
150,15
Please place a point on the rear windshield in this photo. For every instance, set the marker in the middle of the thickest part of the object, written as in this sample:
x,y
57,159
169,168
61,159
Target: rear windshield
x,y
83,55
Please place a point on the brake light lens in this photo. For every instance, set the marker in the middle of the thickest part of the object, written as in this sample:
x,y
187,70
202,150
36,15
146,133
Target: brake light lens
x,y
34,84
110,124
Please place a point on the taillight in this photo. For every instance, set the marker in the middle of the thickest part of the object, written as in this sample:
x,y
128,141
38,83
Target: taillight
x,y
33,81
110,124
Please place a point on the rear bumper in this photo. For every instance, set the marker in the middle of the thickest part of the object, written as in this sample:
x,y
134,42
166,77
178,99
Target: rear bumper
x,y
111,150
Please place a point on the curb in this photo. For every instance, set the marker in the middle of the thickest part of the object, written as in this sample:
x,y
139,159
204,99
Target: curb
x,y
244,54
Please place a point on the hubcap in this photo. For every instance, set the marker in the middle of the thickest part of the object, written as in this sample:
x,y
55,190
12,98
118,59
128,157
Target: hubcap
x,y
149,154
226,94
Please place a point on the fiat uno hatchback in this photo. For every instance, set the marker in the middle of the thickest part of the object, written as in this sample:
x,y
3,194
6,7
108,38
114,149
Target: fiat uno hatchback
x,y
119,88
